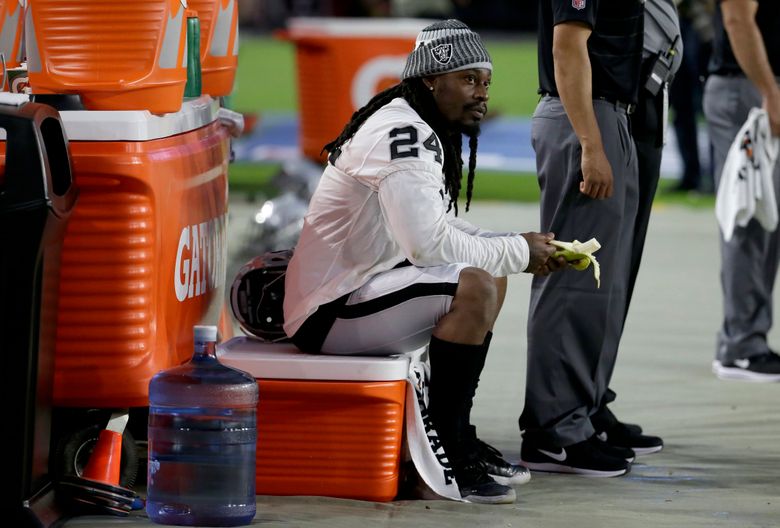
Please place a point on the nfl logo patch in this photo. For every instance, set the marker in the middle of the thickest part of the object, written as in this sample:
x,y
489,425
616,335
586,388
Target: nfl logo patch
x,y
443,53
578,4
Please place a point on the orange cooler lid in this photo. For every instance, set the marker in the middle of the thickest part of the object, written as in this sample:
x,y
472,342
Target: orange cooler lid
x,y
284,361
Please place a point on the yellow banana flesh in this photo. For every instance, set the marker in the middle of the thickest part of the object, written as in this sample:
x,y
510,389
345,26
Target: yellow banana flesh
x,y
580,255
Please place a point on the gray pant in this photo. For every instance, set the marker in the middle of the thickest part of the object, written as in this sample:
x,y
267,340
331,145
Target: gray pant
x,y
573,327
749,259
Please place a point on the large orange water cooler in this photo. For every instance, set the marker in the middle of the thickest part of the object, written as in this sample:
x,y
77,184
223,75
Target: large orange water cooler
x,y
142,261
143,257
144,254
341,64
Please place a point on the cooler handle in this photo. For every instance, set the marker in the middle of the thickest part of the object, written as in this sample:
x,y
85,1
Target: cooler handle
x,y
37,163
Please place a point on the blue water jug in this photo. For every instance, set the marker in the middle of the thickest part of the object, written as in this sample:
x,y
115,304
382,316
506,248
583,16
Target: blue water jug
x,y
202,441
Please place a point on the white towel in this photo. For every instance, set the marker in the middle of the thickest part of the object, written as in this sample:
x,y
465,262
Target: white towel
x,y
746,187
421,442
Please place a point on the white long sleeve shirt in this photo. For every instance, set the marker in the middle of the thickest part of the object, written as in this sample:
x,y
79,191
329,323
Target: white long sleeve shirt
x,y
382,203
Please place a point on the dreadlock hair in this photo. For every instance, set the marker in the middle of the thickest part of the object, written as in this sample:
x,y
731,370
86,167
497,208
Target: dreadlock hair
x,y
421,100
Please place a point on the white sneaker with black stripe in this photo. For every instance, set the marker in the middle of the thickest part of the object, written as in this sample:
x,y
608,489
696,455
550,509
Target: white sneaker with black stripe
x,y
760,368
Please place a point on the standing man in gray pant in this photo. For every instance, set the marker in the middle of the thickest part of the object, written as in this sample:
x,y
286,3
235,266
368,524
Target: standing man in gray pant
x,y
589,60
745,73
661,58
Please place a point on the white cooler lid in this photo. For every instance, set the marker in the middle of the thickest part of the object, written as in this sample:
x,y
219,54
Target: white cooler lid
x,y
130,125
138,125
284,361
335,27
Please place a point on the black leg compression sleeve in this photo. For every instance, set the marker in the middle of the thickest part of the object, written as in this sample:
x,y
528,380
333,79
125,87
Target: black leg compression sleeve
x,y
455,370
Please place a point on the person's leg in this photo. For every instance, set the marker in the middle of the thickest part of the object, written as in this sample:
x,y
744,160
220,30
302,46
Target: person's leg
x,y
647,132
457,354
454,308
683,101
399,310
569,318
473,310
630,238
749,260
620,434
498,468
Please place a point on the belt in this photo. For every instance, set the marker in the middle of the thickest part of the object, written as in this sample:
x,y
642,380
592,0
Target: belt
x,y
628,108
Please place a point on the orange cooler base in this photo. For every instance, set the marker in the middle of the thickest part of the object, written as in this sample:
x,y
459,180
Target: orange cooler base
x,y
330,438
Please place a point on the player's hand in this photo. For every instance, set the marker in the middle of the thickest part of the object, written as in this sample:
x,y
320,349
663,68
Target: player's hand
x,y
596,173
540,261
551,265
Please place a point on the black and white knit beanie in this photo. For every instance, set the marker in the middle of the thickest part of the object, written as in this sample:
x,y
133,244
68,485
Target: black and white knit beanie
x,y
446,46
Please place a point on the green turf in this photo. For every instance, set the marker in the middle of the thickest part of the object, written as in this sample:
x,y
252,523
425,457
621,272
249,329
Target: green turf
x,y
265,79
255,179
505,186
514,87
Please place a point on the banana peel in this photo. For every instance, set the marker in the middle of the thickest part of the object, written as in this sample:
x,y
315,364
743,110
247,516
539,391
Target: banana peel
x,y
580,255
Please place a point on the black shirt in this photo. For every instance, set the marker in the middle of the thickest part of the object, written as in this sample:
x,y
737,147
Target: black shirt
x,y
614,47
723,62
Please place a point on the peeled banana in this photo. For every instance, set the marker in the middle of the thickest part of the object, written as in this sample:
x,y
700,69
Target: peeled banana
x,y
580,255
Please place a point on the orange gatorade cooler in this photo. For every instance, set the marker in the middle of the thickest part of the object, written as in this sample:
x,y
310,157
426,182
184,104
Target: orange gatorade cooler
x,y
218,44
326,425
116,55
143,259
342,63
12,20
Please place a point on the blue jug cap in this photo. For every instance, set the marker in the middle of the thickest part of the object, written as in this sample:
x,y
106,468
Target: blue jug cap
x,y
205,333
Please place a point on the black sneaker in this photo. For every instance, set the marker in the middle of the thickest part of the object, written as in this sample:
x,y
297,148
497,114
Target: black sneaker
x,y
634,428
499,469
623,436
763,367
582,458
605,419
626,453
476,485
